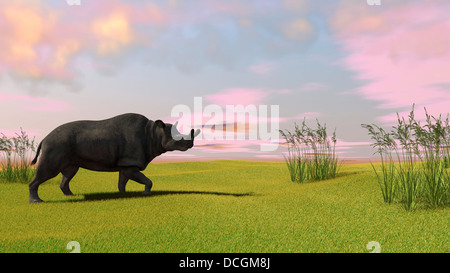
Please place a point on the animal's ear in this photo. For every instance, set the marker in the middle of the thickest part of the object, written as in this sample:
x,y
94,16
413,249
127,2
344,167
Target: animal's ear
x,y
160,123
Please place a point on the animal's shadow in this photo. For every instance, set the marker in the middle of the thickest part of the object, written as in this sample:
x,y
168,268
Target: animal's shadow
x,y
138,194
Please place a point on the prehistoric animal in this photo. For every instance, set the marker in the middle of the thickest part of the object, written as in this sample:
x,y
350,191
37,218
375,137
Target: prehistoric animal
x,y
126,143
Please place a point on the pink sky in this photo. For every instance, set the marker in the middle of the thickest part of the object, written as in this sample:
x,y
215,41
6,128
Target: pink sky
x,y
402,53
382,44
32,103
47,43
230,53
234,96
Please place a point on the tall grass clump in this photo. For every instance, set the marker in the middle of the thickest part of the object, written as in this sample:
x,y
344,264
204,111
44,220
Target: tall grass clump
x,y
15,155
311,153
414,160
386,147
433,139
409,176
296,158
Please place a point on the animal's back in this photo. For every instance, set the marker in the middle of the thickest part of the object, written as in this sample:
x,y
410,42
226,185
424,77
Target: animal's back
x,y
99,144
97,129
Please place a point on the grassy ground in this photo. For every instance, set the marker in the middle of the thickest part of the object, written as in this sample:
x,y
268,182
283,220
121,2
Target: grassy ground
x,y
217,206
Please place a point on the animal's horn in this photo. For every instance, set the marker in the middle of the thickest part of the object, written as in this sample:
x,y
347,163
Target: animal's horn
x,y
174,132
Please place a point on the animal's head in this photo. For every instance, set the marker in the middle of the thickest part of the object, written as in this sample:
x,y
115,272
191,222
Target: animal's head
x,y
172,139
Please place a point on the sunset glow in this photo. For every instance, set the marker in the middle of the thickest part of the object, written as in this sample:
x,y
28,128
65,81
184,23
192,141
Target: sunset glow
x,y
343,62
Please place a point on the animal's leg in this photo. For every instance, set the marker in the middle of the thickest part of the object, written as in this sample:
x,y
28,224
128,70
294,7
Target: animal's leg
x,y
123,180
33,187
67,174
134,174
41,176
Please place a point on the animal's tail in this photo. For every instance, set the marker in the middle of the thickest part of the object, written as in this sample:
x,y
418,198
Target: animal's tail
x,y
37,154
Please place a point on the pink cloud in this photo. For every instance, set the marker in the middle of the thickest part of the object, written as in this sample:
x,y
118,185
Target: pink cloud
x,y
178,155
237,96
40,41
244,128
235,113
270,157
31,103
401,52
235,146
242,96
438,108
348,145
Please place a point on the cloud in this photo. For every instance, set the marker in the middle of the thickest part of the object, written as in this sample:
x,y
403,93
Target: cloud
x,y
46,47
298,29
270,157
401,53
113,32
178,155
30,103
41,43
236,146
237,96
344,145
242,124
436,109
20,38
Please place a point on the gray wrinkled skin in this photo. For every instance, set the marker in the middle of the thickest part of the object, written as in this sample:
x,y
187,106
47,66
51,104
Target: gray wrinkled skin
x,y
126,144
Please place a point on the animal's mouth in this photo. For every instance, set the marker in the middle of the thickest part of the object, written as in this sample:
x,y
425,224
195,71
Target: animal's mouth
x,y
185,148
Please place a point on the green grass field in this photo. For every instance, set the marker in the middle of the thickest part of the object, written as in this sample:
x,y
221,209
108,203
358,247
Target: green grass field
x,y
217,206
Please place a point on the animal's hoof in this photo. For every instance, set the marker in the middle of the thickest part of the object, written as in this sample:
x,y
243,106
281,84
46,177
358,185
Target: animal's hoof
x,y
68,194
35,200
146,192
